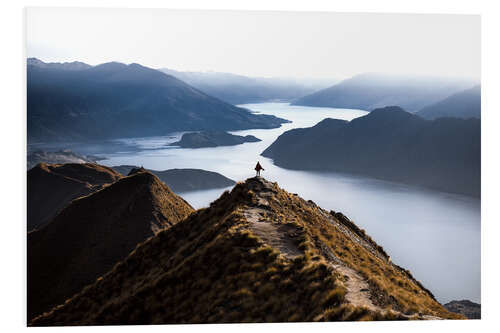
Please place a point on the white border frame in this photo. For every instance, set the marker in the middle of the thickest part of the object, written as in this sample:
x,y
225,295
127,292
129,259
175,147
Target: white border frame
x,y
13,175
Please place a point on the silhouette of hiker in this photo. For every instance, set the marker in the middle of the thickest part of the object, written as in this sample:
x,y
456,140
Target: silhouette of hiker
x,y
258,167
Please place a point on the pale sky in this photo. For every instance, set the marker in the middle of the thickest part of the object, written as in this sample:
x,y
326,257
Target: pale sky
x,y
270,44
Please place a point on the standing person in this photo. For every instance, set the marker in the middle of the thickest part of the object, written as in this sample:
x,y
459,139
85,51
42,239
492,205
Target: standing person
x,y
258,167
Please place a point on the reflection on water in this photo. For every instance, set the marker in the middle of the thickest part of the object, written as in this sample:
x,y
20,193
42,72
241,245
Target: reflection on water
x,y
433,234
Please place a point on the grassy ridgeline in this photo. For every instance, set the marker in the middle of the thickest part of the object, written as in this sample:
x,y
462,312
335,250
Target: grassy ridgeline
x,y
213,268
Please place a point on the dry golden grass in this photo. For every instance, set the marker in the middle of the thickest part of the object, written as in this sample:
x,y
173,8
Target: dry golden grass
x,y
211,268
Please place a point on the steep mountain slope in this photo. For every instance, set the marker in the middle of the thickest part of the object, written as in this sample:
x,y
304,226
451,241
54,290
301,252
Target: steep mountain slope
x,y
50,187
390,144
239,89
116,100
370,91
184,180
94,232
464,104
257,254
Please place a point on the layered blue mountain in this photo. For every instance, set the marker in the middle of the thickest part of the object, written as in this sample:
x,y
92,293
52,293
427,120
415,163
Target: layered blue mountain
x,y
240,89
115,100
464,104
371,90
392,144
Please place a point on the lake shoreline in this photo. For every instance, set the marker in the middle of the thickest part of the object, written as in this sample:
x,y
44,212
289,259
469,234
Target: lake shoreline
x,y
448,224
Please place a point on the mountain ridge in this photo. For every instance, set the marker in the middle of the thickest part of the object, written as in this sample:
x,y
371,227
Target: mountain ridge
x,y
464,104
92,233
370,91
257,254
114,100
239,89
50,187
74,65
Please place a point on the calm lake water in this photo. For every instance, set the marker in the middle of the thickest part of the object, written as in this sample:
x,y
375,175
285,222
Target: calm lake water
x,y
433,234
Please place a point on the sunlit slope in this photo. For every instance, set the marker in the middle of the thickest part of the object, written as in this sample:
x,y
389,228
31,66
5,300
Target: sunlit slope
x,y
257,254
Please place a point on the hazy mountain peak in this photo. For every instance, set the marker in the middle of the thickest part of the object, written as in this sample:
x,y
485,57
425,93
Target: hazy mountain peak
x,y
111,66
240,89
369,91
117,100
463,104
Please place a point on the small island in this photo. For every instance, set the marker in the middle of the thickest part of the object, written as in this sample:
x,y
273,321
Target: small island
x,y
212,139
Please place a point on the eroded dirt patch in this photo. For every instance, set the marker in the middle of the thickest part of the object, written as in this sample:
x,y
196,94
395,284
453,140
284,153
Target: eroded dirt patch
x,y
279,236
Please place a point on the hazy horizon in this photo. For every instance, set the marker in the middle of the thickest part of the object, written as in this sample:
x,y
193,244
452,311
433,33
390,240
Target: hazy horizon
x,y
320,45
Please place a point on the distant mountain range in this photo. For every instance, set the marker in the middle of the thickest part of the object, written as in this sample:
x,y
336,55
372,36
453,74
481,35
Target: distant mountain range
x,y
212,139
256,254
184,180
74,102
70,66
464,104
239,89
92,233
392,144
370,91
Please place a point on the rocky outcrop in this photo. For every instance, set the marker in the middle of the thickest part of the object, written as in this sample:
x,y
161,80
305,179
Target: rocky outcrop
x,y
465,307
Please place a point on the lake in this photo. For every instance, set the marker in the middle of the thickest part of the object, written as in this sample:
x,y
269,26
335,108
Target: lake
x,y
433,234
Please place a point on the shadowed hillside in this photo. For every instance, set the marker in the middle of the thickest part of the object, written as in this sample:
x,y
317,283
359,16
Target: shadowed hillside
x,y
390,144
371,90
94,232
257,254
464,104
114,100
50,187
